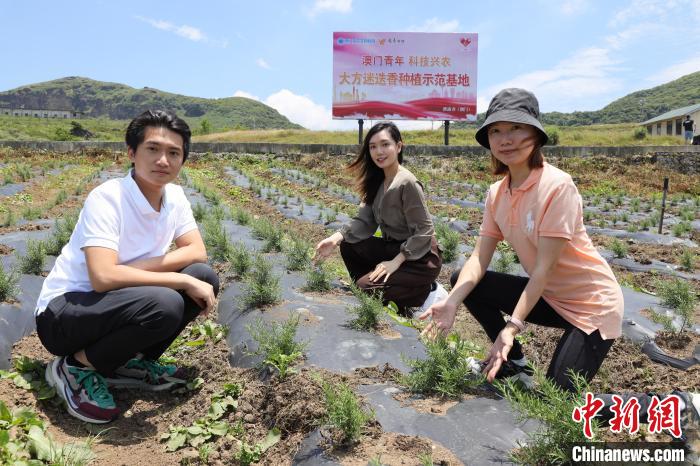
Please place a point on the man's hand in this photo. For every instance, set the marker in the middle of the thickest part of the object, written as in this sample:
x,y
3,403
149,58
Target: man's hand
x,y
442,316
202,293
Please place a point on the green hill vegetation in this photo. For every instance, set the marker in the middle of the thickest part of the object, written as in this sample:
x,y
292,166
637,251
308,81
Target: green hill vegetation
x,y
633,108
113,101
625,134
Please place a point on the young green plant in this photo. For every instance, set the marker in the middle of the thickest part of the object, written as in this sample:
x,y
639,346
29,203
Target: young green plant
x,y
277,344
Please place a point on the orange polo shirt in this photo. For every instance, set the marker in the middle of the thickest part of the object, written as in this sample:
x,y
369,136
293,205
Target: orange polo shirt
x,y
582,287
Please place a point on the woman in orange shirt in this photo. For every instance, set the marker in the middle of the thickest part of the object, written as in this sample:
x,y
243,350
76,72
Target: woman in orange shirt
x,y
538,210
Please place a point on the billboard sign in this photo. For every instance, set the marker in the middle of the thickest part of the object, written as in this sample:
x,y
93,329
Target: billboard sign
x,y
404,75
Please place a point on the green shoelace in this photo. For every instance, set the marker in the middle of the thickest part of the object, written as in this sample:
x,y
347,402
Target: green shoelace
x,y
95,386
154,369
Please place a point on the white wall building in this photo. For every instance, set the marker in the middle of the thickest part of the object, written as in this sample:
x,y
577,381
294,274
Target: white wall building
x,y
671,122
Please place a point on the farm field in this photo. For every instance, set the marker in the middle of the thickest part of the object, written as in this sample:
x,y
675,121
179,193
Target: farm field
x,y
294,367
102,129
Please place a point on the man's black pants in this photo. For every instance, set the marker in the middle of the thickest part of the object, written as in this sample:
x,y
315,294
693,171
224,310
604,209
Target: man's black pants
x,y
112,327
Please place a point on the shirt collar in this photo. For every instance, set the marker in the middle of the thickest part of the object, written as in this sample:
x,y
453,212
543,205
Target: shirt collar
x,y
530,181
137,196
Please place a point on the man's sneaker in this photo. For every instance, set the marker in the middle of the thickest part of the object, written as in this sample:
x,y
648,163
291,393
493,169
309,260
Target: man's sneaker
x,y
148,375
437,293
690,419
84,391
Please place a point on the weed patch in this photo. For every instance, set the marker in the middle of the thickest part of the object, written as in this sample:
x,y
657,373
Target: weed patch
x,y
209,427
263,286
552,407
276,343
368,313
445,371
448,240
298,254
33,261
240,259
318,279
344,412
8,283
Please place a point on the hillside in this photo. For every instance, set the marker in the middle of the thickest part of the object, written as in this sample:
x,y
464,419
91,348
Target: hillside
x,y
98,99
632,108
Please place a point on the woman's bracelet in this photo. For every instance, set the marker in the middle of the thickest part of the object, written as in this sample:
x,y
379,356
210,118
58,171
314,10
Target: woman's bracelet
x,y
518,323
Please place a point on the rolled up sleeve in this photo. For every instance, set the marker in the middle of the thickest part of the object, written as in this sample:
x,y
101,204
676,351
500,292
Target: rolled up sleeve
x,y
420,225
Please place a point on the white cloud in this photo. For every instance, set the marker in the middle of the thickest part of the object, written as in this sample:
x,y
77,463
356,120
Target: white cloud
x,y
304,111
435,25
188,32
641,9
625,37
675,71
262,63
568,84
338,6
245,94
573,7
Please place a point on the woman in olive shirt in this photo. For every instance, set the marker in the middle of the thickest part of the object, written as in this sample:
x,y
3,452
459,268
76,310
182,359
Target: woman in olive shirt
x,y
405,261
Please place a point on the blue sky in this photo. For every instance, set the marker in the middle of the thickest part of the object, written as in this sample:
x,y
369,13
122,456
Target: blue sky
x,y
574,54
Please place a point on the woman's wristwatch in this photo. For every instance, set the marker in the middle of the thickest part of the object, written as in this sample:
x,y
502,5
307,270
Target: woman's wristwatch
x,y
518,323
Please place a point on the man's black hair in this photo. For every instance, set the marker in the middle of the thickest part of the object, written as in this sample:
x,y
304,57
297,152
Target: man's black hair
x,y
136,131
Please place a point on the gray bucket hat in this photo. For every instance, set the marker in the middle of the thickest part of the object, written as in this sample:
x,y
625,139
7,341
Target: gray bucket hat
x,y
512,105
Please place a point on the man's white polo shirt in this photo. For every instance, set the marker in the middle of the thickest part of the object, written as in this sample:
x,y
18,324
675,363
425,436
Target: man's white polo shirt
x,y
116,215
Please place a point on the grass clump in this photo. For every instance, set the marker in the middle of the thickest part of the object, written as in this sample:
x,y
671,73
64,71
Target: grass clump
x,y
551,407
368,313
448,240
680,296
344,412
215,238
33,261
505,261
681,228
8,283
688,260
277,344
263,287
240,216
445,371
619,248
62,231
272,235
318,279
240,259
298,254
199,211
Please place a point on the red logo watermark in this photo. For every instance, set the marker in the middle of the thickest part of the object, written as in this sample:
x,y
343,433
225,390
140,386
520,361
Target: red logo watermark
x,y
661,415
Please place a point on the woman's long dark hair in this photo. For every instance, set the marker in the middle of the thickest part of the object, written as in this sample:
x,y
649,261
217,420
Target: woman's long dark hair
x,y
368,176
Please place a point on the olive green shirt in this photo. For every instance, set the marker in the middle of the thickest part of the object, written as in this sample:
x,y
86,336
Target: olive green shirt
x,y
401,213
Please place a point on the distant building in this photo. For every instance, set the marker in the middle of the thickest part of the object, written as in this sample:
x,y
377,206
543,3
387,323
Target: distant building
x,y
671,123
40,113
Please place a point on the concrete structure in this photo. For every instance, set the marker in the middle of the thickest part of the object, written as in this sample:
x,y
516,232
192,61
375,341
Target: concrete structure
x,y
40,113
670,123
